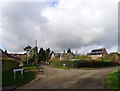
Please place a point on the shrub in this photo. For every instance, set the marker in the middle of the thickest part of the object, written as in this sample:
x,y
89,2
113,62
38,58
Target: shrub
x,y
8,65
83,57
82,63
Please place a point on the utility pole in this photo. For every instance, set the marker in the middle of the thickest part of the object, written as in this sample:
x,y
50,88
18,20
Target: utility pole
x,y
36,52
76,52
35,43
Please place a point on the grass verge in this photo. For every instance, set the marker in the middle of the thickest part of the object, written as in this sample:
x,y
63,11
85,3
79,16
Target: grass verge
x,y
31,67
8,77
60,67
112,80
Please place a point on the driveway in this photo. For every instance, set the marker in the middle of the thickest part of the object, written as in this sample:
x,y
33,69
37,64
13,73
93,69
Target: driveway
x,y
53,78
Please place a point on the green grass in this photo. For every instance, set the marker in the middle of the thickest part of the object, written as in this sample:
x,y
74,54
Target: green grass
x,y
71,68
112,80
31,67
60,67
87,68
8,78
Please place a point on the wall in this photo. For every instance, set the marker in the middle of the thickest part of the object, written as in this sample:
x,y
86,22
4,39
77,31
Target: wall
x,y
95,56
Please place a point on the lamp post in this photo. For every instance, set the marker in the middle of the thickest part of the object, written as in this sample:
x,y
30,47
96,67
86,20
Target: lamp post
x,y
28,55
27,58
27,49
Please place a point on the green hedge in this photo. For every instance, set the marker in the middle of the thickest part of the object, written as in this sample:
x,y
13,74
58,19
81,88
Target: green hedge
x,y
83,63
8,65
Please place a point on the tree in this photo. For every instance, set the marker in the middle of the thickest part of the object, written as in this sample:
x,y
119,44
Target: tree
x,y
27,49
47,52
35,55
51,53
35,49
41,55
69,51
85,57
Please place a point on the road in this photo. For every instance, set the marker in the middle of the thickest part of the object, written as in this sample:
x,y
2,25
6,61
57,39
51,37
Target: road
x,y
53,78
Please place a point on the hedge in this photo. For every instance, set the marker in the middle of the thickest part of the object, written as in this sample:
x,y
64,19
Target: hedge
x,y
83,63
8,65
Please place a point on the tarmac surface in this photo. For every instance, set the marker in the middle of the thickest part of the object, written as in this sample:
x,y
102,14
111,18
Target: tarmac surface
x,y
53,78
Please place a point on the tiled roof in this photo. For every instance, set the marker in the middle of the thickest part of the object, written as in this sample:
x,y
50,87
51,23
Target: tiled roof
x,y
4,55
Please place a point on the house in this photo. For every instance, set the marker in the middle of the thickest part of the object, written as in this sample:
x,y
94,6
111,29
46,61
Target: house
x,y
114,56
67,56
96,53
55,56
19,57
62,56
5,55
11,56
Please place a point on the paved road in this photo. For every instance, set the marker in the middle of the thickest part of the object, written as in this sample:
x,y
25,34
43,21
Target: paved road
x,y
53,78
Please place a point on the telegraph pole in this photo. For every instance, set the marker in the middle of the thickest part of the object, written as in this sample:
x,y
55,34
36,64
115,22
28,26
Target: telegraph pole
x,y
76,52
36,52
35,43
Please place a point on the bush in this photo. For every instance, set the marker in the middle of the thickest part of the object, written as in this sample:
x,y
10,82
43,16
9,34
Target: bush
x,y
8,65
83,57
82,63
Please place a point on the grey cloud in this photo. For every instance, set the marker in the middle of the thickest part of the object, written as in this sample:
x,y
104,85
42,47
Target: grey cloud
x,y
20,21
78,24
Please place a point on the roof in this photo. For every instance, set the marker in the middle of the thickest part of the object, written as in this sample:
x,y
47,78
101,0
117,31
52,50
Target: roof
x,y
17,56
97,51
4,54
57,54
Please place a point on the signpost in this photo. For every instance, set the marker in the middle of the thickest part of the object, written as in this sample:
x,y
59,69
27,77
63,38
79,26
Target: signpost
x,y
15,70
64,65
28,55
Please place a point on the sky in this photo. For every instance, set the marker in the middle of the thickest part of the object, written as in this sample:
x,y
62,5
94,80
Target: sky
x,y
80,25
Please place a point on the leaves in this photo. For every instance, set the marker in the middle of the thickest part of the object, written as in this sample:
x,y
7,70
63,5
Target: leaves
x,y
27,48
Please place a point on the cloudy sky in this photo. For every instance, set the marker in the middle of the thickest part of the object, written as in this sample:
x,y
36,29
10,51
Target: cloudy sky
x,y
77,24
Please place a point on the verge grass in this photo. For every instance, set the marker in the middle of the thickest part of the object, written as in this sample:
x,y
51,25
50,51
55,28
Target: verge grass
x,y
113,80
8,77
